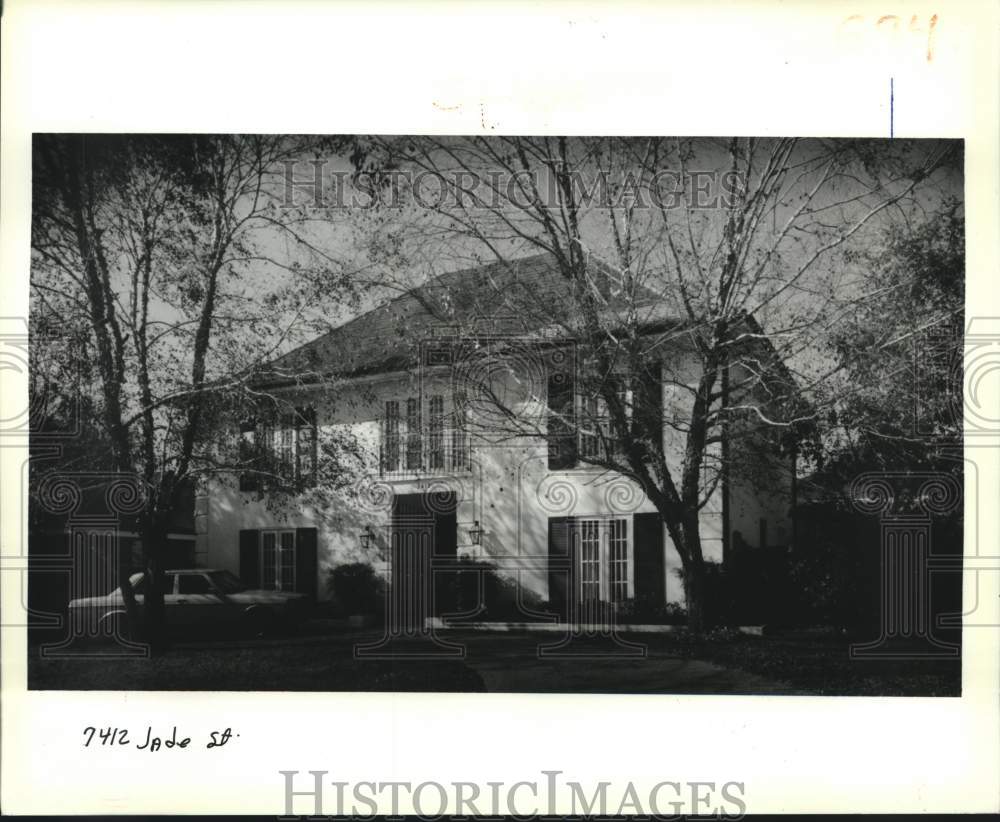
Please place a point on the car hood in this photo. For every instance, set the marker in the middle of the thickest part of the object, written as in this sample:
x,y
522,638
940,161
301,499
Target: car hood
x,y
83,602
262,596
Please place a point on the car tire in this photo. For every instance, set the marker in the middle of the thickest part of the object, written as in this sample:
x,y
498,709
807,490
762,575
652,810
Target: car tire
x,y
259,622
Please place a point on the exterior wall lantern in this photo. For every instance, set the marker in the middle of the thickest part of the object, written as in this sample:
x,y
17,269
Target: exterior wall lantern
x,y
476,533
367,537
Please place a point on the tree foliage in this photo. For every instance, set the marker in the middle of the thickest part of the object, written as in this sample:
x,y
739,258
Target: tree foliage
x,y
166,270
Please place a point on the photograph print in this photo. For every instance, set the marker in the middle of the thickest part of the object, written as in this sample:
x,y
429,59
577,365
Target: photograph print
x,y
502,414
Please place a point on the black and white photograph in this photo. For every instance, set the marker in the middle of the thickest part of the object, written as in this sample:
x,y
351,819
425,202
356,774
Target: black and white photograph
x,y
416,408
503,414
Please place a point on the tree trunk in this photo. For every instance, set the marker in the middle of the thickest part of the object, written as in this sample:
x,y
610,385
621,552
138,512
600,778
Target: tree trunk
x,y
154,621
694,593
132,614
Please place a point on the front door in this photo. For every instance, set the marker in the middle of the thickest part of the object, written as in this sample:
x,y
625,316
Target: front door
x,y
424,546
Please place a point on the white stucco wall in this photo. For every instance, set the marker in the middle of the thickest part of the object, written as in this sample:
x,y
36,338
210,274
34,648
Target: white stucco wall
x,y
762,481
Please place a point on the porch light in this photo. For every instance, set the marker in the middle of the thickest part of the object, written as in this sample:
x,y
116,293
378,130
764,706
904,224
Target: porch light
x,y
476,533
367,537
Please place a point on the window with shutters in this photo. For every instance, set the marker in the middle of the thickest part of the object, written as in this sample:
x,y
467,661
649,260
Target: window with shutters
x,y
277,560
598,436
580,423
619,560
589,535
424,436
603,559
279,452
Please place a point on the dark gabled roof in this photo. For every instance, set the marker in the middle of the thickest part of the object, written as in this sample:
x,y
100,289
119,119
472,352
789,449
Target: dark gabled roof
x,y
524,295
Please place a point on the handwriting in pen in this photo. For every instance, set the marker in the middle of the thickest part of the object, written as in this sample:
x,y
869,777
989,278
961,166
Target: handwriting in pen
x,y
110,736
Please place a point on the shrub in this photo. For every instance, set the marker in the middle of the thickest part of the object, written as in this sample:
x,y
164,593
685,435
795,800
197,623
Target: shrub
x,y
645,612
751,589
356,588
477,584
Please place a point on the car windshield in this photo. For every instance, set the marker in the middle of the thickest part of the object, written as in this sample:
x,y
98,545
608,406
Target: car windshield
x,y
138,583
226,582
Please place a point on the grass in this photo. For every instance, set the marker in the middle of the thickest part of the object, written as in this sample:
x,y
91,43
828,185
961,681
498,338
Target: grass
x,y
271,667
821,665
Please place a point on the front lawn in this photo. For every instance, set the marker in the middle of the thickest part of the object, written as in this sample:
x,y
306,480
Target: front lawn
x,y
821,665
816,665
269,667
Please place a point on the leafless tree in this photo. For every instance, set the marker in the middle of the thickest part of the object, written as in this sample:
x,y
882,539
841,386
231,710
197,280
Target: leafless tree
x,y
738,251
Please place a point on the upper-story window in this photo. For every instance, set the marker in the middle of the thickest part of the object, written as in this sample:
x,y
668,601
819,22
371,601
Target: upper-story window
x,y
422,434
435,432
391,435
598,436
279,451
414,435
581,426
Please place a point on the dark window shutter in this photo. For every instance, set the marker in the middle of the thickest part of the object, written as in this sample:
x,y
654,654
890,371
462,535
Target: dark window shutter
x,y
650,585
305,561
250,557
560,563
647,415
561,422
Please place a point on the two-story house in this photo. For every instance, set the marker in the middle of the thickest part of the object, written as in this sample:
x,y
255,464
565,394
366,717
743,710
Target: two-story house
x,y
473,437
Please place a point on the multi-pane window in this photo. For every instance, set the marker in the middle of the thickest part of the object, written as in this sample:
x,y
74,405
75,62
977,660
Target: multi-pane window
x,y
435,432
391,443
590,437
599,437
281,451
590,559
277,560
283,446
414,444
618,560
459,441
419,434
580,424
286,561
603,559
306,446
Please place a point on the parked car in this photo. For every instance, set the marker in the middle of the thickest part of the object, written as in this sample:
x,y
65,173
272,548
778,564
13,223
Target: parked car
x,y
202,599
